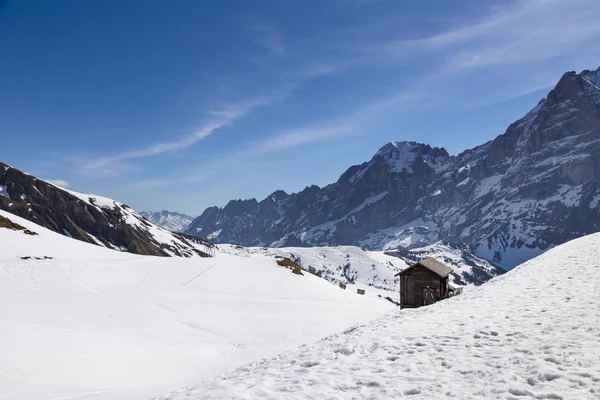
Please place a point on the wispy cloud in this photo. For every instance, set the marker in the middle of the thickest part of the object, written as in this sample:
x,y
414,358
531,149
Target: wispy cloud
x,y
531,31
219,118
513,49
270,38
158,148
522,31
298,137
278,142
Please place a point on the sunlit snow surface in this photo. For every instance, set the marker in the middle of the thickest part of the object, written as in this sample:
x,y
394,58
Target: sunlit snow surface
x,y
533,333
93,323
370,270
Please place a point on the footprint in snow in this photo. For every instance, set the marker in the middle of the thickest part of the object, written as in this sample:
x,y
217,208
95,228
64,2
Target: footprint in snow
x,y
519,392
549,376
310,364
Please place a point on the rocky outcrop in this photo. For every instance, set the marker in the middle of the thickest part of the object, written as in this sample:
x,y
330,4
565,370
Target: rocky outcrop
x,y
89,218
535,186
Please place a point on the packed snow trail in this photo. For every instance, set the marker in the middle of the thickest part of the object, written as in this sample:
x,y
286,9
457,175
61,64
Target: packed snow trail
x,y
92,323
533,333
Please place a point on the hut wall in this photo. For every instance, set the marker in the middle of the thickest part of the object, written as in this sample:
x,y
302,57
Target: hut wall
x,y
422,277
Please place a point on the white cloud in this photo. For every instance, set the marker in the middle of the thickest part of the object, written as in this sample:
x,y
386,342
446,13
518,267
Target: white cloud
x,y
58,182
299,137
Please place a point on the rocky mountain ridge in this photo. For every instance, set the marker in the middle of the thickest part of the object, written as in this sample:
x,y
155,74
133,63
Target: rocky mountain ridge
x,y
89,218
535,186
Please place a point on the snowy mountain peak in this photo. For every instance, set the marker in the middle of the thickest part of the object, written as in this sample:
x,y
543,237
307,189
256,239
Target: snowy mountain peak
x,y
402,156
169,220
399,156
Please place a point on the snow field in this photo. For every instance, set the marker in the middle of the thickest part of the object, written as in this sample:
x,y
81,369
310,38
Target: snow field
x,y
533,333
93,323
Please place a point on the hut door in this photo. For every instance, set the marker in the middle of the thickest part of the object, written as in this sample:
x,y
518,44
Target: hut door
x,y
428,295
409,290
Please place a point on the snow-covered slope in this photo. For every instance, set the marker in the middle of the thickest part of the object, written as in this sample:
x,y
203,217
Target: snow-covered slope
x,y
169,220
376,269
87,217
85,322
529,334
338,264
15,244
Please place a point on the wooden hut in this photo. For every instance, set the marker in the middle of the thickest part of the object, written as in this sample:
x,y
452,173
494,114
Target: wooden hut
x,y
424,283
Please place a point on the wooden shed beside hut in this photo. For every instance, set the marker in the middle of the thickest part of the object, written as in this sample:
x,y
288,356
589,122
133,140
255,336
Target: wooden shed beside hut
x,y
424,283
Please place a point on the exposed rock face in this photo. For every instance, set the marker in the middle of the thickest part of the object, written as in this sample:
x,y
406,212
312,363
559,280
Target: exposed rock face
x,y
533,187
88,218
169,220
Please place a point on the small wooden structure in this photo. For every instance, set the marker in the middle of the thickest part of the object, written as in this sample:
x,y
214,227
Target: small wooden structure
x,y
312,270
360,291
342,286
454,291
424,283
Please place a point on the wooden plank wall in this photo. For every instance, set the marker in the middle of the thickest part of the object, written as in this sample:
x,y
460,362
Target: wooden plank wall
x,y
422,277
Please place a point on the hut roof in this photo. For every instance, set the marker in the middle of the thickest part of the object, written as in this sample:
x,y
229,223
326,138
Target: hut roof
x,y
433,265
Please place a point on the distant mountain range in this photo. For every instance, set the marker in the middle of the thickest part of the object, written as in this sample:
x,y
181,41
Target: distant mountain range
x,y
89,218
533,187
171,221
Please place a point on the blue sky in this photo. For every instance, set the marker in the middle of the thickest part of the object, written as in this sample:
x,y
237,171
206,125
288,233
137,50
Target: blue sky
x,y
187,104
